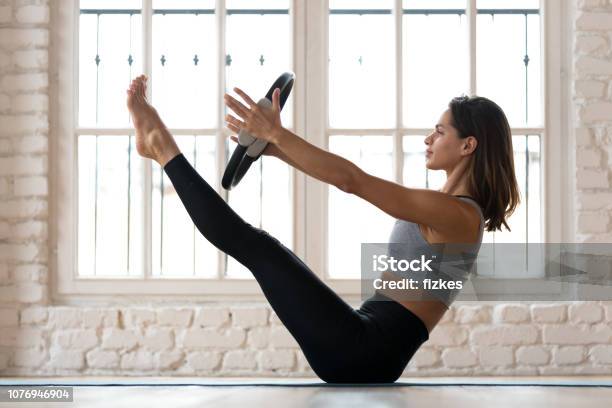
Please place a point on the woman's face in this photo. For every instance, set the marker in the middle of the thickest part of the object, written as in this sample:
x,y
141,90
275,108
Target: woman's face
x,y
445,148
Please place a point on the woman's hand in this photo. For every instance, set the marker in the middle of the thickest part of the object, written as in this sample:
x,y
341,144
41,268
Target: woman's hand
x,y
262,123
270,150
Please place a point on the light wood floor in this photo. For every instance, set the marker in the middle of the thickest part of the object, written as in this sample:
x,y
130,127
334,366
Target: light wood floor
x,y
311,393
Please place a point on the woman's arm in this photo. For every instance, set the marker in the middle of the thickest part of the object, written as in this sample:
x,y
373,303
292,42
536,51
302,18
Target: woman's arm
x,y
318,163
440,211
272,150
265,124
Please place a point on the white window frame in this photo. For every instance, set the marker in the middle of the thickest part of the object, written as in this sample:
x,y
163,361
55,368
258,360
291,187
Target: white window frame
x,y
310,198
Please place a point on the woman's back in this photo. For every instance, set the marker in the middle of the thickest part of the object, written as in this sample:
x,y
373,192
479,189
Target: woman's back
x,y
413,245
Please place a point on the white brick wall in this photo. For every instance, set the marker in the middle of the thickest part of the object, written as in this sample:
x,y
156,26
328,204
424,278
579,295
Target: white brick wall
x,y
37,338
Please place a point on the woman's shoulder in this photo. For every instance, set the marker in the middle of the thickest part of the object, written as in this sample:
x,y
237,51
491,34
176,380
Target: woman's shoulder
x,y
472,217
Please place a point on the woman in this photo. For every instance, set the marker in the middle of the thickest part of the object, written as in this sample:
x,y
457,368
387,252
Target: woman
x,y
374,343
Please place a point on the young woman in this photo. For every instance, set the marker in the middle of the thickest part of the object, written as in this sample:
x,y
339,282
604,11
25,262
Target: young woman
x,y
372,344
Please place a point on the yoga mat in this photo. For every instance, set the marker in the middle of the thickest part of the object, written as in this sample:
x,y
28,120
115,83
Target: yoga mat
x,y
178,382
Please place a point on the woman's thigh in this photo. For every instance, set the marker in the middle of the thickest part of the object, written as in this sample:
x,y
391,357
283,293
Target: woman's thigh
x,y
314,314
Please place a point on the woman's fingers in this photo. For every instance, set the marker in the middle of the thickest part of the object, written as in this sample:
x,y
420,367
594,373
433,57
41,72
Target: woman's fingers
x,y
276,99
246,97
236,106
234,129
236,122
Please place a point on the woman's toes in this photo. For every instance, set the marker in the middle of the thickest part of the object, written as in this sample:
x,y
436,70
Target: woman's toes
x,y
140,90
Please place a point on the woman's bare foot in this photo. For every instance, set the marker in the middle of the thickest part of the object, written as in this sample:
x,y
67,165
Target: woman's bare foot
x,y
153,140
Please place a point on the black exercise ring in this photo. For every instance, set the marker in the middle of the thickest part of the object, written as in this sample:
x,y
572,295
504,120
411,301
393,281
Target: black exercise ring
x,y
240,161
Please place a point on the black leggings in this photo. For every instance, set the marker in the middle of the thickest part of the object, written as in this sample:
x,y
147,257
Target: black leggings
x,y
372,344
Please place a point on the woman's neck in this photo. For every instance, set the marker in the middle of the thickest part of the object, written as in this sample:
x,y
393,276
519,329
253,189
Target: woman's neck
x,y
456,182
454,187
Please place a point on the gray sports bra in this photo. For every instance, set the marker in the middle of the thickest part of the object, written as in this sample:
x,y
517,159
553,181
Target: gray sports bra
x,y
414,245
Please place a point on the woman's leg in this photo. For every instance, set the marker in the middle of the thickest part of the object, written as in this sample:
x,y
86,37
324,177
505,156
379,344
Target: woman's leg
x,y
328,330
316,316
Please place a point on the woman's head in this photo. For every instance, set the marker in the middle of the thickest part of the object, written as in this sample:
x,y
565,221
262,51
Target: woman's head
x,y
474,134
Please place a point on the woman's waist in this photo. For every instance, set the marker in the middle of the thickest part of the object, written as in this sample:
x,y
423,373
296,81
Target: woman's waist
x,y
393,315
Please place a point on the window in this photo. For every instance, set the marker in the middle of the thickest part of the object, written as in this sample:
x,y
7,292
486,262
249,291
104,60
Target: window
x,y
130,223
424,50
370,95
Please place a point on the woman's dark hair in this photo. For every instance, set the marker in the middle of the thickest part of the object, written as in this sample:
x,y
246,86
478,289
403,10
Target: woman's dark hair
x,y
491,178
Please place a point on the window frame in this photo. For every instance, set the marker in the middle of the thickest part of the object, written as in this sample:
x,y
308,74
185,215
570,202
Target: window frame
x,y
556,178
310,197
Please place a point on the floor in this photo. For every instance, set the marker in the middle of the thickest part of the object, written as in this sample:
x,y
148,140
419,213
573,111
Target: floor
x,y
419,392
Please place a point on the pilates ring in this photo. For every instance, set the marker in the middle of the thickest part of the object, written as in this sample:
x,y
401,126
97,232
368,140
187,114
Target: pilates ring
x,y
249,148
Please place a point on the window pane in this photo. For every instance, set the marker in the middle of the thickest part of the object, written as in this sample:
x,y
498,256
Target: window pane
x,y
254,61
109,207
87,206
257,5
277,204
352,220
360,4
435,70
110,54
111,4
534,196
434,5
526,221
179,249
508,4
361,69
509,65
185,79
184,4
415,172
263,200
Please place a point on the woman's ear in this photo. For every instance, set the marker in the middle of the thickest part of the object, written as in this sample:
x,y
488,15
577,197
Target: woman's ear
x,y
469,145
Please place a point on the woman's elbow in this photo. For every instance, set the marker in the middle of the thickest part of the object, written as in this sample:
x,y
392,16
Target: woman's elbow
x,y
351,180
344,186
